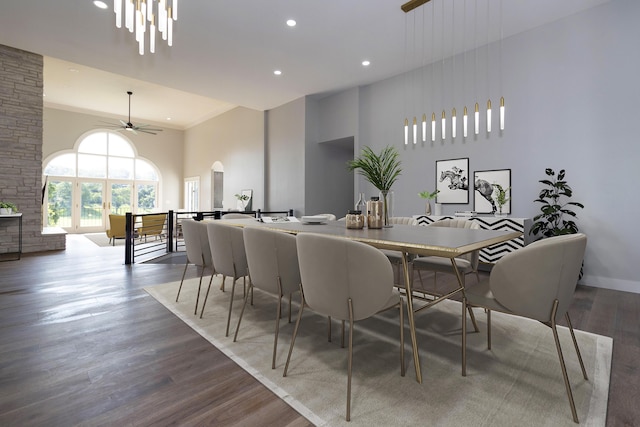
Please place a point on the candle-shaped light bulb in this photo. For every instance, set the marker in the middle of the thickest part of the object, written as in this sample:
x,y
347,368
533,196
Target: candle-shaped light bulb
x,y
415,131
444,125
424,127
476,119
433,127
453,123
464,122
489,115
406,131
502,113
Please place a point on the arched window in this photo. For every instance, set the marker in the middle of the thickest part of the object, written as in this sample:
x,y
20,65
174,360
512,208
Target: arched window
x,y
101,176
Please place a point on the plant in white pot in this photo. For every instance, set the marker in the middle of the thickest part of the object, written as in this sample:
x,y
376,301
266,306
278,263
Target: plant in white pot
x,y
381,170
7,208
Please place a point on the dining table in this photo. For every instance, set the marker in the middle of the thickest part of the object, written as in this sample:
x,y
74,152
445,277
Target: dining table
x,y
409,240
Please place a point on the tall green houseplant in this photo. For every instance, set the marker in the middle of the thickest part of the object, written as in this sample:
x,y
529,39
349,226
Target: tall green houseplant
x,y
556,207
381,170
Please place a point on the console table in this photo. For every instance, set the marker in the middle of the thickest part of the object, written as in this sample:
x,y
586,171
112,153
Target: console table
x,y
16,217
491,254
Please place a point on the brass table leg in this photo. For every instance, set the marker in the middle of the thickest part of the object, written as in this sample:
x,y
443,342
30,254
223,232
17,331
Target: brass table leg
x,y
412,324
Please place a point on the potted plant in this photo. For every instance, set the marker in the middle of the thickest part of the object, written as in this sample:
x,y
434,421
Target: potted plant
x,y
381,170
555,206
427,195
7,208
500,198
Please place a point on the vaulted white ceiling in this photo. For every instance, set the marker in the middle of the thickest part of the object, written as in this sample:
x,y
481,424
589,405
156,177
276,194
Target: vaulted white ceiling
x,y
225,51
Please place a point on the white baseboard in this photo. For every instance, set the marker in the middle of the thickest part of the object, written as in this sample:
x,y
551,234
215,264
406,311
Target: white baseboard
x,y
610,283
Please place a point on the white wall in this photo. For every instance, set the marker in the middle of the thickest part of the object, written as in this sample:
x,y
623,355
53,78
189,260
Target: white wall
x,y
62,129
236,139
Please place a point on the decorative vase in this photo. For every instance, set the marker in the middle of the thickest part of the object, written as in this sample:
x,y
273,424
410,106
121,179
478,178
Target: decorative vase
x,y
387,208
498,213
6,211
438,209
374,212
427,209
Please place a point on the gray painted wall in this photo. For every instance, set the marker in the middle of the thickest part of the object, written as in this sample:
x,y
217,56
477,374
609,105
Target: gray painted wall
x,y
285,147
571,90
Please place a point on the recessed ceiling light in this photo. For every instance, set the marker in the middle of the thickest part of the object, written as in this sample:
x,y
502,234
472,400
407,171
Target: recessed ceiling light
x,y
277,72
291,22
168,118
366,63
74,70
100,4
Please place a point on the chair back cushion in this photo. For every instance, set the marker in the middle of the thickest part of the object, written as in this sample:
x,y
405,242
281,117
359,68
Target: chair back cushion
x,y
152,224
335,269
196,242
227,249
271,255
528,280
117,226
472,257
406,220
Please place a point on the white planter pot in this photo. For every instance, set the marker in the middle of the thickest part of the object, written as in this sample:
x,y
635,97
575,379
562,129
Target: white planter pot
x,y
6,211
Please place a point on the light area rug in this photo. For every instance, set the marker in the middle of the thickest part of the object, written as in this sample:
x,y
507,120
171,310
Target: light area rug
x,y
517,382
102,240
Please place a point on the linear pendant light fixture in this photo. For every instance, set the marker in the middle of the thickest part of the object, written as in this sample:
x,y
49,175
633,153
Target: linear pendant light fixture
x,y
160,14
410,6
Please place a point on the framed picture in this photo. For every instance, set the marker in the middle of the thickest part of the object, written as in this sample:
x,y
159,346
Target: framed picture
x,y
452,179
246,202
485,192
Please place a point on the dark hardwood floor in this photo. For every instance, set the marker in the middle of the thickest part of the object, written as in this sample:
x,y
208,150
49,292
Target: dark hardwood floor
x,y
83,344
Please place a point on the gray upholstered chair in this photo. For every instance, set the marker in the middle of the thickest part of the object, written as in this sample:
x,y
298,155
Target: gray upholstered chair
x,y
538,282
466,264
238,216
229,258
346,280
330,217
198,252
273,268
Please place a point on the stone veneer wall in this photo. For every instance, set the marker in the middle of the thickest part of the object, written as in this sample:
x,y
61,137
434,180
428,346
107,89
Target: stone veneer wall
x,y
21,150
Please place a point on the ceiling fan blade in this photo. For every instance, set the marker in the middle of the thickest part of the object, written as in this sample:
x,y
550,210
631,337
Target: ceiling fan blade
x,y
147,131
123,123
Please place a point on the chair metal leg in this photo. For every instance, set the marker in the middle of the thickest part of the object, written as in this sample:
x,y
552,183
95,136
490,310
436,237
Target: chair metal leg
x,y
464,336
275,339
562,365
290,308
182,281
233,289
402,367
206,297
575,344
246,298
278,314
195,310
295,332
350,360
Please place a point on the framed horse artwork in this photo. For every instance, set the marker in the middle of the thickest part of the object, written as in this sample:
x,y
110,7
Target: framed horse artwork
x,y
452,181
485,186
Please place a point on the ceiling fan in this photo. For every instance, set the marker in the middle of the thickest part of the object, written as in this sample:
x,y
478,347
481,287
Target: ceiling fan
x,y
128,126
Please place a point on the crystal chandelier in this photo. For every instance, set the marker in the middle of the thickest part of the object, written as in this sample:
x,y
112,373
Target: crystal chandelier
x,y
160,14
